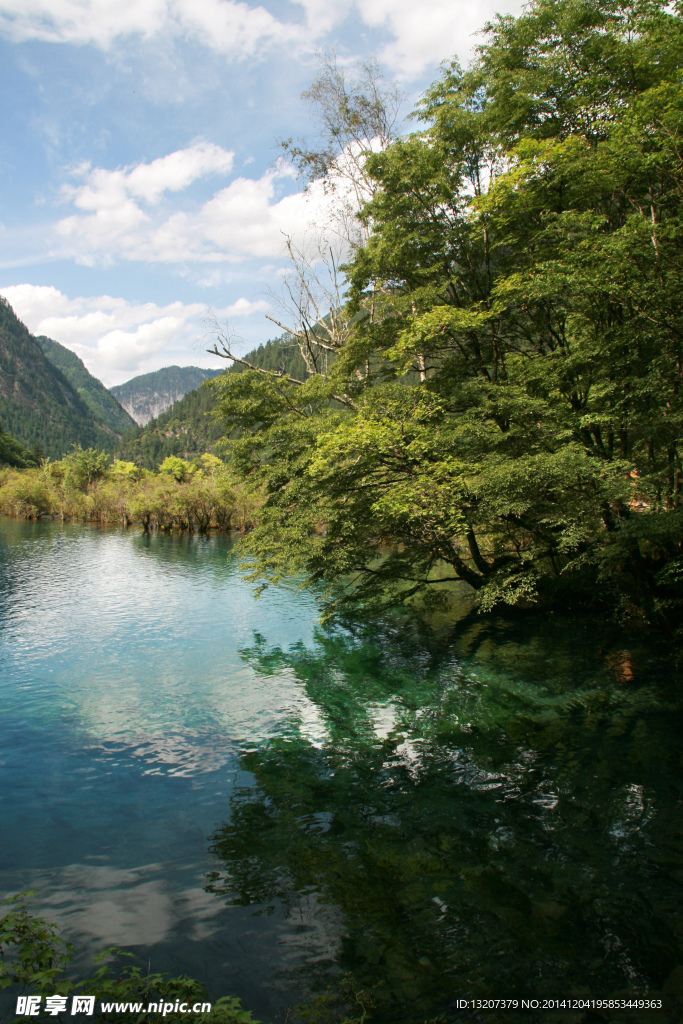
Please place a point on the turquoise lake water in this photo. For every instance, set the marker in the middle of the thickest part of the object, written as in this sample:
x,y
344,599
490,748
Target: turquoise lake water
x,y
231,792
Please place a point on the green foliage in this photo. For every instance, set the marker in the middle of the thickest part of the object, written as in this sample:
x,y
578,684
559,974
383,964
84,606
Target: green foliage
x,y
345,1003
34,958
507,410
211,464
180,469
31,951
128,470
84,467
13,453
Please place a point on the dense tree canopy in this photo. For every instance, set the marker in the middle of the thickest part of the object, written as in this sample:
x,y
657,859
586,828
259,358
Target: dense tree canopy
x,y
506,409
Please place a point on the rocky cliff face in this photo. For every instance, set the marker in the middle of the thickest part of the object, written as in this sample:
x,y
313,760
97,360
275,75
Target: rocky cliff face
x,y
188,429
147,396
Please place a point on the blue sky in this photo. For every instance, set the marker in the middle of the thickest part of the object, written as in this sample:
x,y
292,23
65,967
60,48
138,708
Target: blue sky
x,y
139,174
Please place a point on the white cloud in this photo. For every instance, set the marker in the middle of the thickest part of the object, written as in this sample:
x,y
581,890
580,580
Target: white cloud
x,y
112,221
72,21
117,339
230,27
235,28
424,33
117,218
106,189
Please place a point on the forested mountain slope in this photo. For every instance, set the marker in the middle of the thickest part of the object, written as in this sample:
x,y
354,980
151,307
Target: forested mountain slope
x,y
149,395
38,405
14,453
101,402
189,429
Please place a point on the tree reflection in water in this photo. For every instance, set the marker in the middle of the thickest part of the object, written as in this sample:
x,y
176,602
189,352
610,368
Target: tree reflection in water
x,y
497,817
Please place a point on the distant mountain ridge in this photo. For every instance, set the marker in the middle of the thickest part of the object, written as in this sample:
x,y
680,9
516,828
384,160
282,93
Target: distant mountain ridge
x,y
102,404
189,429
149,395
39,406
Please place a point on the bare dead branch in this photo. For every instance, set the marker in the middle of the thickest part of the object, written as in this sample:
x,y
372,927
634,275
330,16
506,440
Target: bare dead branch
x,y
222,337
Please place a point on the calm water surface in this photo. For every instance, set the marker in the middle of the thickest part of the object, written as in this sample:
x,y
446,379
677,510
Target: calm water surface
x,y
231,792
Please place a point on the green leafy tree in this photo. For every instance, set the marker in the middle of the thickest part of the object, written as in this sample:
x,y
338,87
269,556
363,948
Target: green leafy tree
x,y
127,470
84,466
178,468
211,464
506,407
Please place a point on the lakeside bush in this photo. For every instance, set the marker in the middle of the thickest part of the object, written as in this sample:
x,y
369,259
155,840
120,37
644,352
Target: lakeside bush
x,y
195,496
34,959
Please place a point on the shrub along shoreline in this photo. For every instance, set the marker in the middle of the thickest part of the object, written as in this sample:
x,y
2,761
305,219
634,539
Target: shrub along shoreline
x,y
197,496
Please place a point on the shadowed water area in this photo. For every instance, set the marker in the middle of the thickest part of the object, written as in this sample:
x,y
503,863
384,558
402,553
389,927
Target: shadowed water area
x,y
373,814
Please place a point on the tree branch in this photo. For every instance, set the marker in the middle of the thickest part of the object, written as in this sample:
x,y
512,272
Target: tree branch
x,y
276,374
302,335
